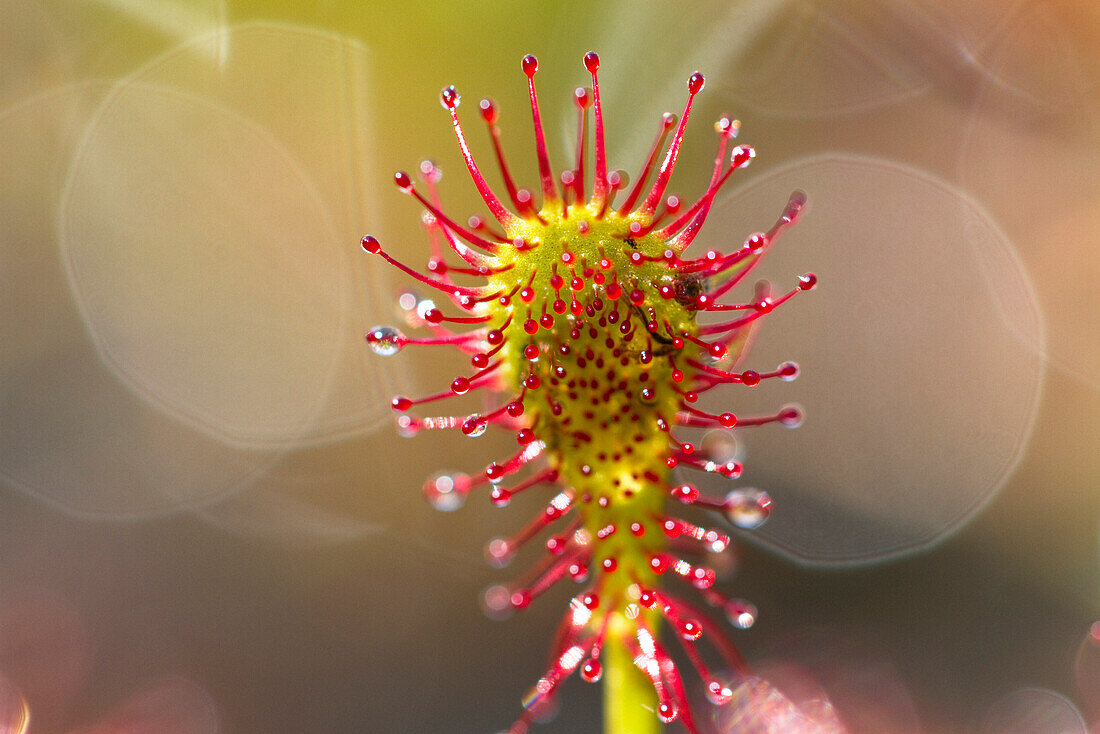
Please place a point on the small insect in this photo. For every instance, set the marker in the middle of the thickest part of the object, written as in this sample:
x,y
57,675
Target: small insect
x,y
598,359
689,287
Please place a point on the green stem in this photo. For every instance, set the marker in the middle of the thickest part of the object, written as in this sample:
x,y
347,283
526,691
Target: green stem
x,y
629,701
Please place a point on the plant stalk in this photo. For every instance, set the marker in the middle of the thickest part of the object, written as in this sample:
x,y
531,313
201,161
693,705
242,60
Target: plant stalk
x,y
629,701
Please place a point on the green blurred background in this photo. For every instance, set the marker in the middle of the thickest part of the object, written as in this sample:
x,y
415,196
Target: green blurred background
x,y
207,521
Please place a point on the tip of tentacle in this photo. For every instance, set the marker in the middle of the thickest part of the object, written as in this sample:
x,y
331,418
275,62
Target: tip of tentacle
x,y
404,182
489,111
529,65
449,97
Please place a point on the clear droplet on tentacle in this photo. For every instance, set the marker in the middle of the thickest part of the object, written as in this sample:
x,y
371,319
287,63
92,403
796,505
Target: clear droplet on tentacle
x,y
447,492
747,507
385,340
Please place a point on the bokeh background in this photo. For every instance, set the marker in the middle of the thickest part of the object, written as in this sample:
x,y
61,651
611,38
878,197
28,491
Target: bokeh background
x,y
207,521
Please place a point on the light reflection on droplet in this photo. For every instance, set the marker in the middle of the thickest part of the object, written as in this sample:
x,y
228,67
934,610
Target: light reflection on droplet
x,y
747,507
385,341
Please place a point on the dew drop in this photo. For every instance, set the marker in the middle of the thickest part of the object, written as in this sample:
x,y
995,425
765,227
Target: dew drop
x,y
407,301
446,492
721,446
740,613
667,712
496,602
385,340
498,553
748,507
407,427
475,425
460,386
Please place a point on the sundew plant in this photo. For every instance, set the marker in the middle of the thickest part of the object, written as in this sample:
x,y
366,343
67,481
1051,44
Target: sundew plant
x,y
209,524
580,308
